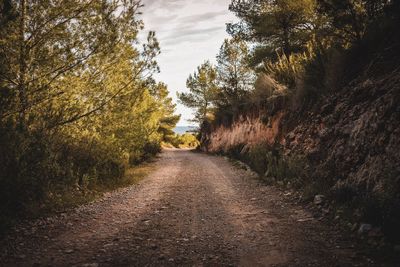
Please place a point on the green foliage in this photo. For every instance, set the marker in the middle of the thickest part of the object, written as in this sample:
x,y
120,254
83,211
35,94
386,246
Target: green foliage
x,y
351,18
78,101
235,77
187,140
304,44
282,25
270,163
301,50
308,74
288,68
203,90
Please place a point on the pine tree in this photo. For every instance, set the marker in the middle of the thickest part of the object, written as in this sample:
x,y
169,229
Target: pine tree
x,y
203,90
235,77
281,25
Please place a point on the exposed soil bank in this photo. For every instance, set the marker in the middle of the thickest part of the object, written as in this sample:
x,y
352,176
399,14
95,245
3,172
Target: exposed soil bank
x,y
346,147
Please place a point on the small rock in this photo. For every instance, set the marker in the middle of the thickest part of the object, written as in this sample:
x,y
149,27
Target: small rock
x,y
325,211
305,219
161,257
319,199
22,256
253,199
94,264
68,251
364,228
153,246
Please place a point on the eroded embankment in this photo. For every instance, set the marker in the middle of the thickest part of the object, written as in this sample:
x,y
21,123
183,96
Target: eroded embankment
x,y
347,148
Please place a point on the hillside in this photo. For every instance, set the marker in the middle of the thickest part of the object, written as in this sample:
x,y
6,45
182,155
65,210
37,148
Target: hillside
x,y
345,147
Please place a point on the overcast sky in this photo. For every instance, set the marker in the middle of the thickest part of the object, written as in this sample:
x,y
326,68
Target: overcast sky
x,y
190,32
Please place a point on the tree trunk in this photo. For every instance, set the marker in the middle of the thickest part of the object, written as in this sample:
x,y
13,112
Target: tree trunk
x,y
22,65
286,42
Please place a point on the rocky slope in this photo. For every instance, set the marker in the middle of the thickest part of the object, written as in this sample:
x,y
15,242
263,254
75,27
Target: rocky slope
x,y
349,143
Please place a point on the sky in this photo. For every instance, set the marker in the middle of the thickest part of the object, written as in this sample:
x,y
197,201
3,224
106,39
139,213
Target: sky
x,y
190,32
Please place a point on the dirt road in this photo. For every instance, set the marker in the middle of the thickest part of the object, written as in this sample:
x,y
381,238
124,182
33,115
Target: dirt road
x,y
193,210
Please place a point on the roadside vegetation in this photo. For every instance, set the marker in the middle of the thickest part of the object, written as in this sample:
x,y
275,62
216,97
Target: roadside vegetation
x,y
78,104
287,55
186,140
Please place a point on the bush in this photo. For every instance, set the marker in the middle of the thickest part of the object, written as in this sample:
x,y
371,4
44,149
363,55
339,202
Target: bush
x,y
270,163
36,167
186,140
151,149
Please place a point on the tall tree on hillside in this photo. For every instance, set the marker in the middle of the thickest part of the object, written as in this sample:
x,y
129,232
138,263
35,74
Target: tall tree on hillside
x,y
350,18
202,91
235,77
279,25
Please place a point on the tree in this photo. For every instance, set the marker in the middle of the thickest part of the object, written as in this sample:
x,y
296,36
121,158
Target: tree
x,y
52,39
280,25
235,77
78,103
349,19
169,120
203,89
7,16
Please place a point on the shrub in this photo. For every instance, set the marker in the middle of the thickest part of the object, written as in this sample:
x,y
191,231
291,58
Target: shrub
x,y
187,140
271,164
36,166
151,149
